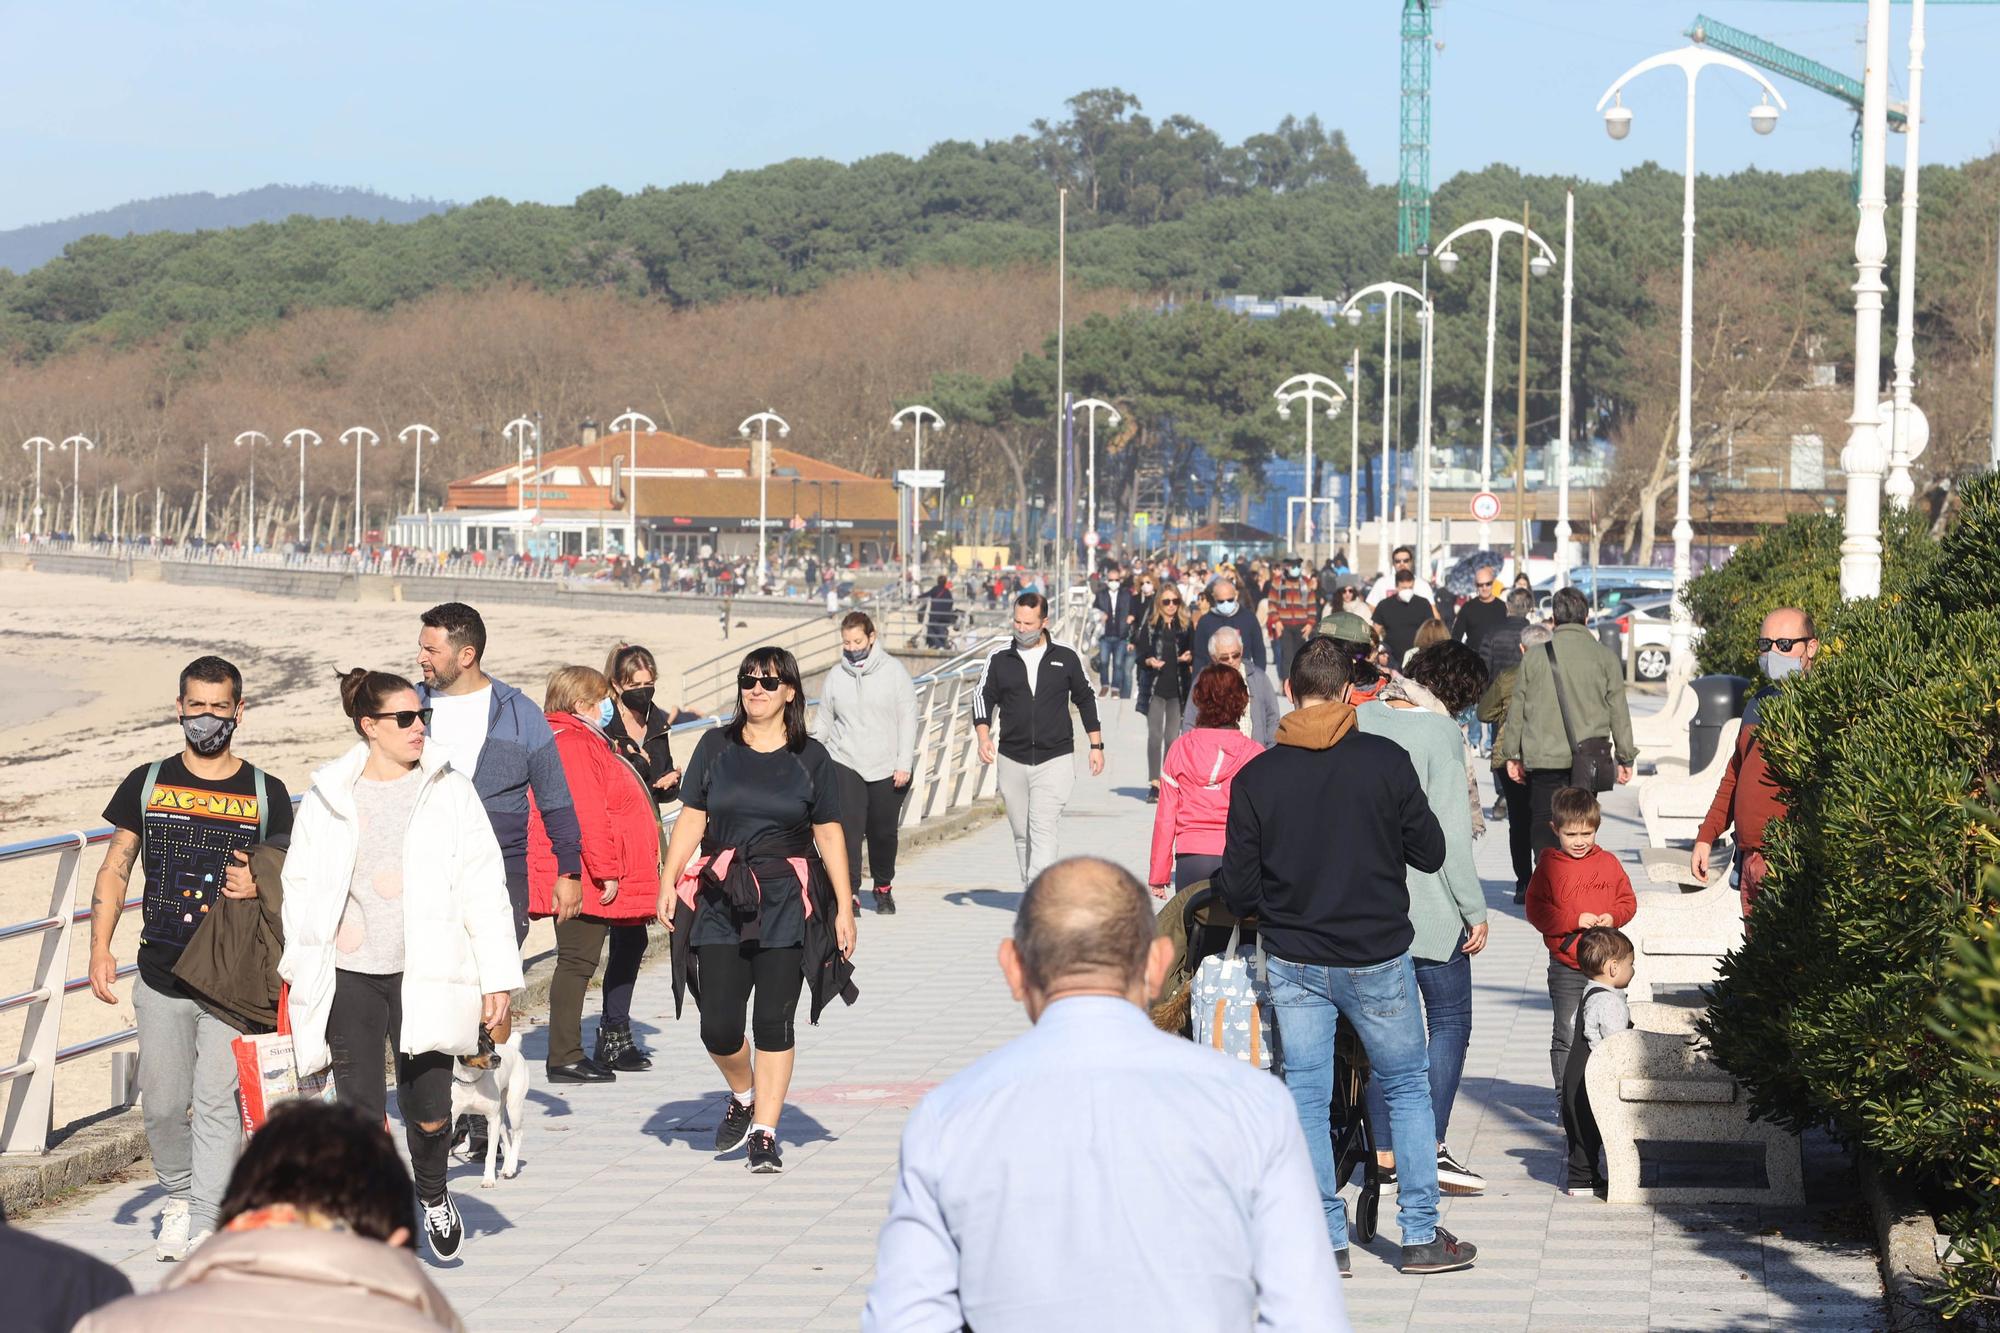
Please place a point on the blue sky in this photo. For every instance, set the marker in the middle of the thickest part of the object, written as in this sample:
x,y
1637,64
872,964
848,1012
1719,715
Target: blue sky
x,y
110,100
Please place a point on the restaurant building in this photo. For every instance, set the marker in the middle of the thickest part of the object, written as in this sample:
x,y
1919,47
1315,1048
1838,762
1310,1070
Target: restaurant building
x,y
660,493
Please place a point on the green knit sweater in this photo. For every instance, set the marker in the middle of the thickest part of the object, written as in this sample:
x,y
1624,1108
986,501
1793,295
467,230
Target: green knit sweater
x,y
1441,904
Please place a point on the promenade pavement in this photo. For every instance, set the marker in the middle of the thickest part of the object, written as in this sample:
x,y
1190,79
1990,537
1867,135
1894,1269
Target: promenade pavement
x,y
622,1218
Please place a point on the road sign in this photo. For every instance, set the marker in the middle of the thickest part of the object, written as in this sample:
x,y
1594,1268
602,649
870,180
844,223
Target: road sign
x,y
1090,539
922,479
1142,519
1486,506
1917,434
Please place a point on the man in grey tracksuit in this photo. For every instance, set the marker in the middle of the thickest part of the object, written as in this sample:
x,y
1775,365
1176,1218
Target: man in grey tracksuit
x,y
1029,686
868,723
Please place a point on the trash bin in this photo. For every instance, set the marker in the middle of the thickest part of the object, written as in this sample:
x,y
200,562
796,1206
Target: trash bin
x,y
1717,700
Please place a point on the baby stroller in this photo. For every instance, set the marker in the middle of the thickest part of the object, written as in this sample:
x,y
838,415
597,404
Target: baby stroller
x,y
1199,912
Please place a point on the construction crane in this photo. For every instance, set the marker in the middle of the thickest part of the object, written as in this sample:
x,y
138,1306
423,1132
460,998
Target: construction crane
x,y
1798,68
1413,187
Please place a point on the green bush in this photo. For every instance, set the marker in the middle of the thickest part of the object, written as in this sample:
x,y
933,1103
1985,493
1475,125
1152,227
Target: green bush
x,y
1830,1013
1796,564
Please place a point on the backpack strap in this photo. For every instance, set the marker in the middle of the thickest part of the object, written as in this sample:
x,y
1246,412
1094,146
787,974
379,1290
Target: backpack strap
x,y
1562,699
263,813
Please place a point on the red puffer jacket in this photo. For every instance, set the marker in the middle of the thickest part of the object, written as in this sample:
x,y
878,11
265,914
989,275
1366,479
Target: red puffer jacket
x,y
620,828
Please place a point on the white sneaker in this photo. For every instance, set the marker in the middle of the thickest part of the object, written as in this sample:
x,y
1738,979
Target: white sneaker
x,y
170,1243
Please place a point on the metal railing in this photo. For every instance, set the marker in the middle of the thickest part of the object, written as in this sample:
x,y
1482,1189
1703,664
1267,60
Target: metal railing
x,y
946,776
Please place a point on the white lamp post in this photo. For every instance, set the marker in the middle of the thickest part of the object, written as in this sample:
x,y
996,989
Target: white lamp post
x,y
204,492
521,430
37,443
1691,61
761,455
358,435
1090,407
1354,461
415,433
1863,456
1314,389
1447,258
631,421
1563,531
1354,311
1904,431
252,438
76,444
302,437
916,414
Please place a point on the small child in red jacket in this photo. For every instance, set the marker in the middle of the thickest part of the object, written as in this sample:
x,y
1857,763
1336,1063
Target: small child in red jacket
x,y
1576,886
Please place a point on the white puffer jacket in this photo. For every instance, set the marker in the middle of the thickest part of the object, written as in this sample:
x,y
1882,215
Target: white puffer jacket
x,y
457,919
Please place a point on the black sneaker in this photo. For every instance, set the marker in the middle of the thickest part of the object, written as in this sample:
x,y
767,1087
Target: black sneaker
x,y
443,1228
1341,1261
1385,1177
468,1138
764,1159
885,901
1455,1177
735,1124
1445,1253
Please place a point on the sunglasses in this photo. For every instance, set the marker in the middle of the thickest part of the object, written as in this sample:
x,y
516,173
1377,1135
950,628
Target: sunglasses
x,y
1487,584
1782,645
1170,601
407,718
1229,659
770,684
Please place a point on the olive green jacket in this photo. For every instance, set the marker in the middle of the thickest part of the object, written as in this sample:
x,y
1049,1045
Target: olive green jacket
x,y
1533,731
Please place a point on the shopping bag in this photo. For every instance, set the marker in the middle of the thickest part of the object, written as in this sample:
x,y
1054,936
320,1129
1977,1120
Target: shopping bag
x,y
1230,1004
267,1070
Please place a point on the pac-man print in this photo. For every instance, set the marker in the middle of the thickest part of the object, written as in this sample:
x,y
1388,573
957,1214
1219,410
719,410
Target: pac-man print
x,y
169,800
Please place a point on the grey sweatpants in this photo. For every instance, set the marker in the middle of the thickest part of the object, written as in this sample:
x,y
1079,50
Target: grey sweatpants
x,y
186,1065
1566,987
1035,795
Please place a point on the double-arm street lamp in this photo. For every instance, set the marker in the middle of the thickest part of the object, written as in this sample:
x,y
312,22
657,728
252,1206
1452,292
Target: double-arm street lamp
x,y
358,436
1313,390
1691,61
1355,311
524,432
76,444
916,414
1090,407
1539,265
302,437
251,439
416,433
761,456
38,444
630,422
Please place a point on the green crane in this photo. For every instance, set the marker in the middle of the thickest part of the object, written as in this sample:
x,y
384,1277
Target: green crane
x,y
1413,187
1800,69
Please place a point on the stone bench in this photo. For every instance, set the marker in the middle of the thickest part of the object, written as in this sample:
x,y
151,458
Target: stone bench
x,y
1662,1087
1673,807
1662,737
1680,937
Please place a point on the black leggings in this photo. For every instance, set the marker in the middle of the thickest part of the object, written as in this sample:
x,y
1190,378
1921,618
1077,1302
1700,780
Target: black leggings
x,y
731,976
1520,826
366,1018
873,808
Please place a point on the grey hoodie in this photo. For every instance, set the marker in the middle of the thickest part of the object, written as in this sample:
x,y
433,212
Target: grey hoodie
x,y
868,716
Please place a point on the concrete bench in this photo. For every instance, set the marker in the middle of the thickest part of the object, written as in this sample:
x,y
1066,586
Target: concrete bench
x,y
1680,937
1673,808
1662,736
1662,1087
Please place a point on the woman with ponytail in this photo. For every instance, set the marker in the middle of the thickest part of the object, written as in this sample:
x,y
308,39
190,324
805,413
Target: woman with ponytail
x,y
398,929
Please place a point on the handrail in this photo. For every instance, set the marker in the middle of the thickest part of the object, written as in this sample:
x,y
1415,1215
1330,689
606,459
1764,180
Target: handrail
x,y
946,776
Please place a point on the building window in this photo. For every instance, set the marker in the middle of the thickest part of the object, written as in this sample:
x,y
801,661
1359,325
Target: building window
x,y
1808,463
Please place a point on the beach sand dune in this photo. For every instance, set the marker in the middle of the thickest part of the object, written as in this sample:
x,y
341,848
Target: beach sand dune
x,y
88,675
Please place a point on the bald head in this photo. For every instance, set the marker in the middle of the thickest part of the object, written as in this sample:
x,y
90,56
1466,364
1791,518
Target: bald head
x,y
1788,622
1788,632
1084,924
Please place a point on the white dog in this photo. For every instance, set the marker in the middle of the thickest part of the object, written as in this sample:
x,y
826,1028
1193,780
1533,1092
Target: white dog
x,y
489,1092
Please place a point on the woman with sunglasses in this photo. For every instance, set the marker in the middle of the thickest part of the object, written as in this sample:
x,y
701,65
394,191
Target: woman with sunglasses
x,y
398,928
1164,645
640,733
757,894
622,853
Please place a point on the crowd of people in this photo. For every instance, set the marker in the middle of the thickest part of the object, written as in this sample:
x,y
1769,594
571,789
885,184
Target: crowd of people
x,y
1338,811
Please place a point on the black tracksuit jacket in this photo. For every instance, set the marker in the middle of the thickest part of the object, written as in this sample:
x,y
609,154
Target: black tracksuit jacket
x,y
1035,727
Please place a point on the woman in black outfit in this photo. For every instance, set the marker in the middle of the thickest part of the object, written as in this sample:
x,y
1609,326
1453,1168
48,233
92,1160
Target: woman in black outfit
x,y
1163,643
638,732
767,905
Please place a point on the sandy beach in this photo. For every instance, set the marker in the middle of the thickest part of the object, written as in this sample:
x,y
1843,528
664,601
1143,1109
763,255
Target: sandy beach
x,y
90,673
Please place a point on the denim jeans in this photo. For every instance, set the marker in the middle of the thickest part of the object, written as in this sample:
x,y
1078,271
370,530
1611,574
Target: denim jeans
x,y
1447,991
1118,658
1381,1002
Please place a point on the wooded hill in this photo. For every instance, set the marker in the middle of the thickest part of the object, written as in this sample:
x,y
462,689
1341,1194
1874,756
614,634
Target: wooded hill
x,y
587,309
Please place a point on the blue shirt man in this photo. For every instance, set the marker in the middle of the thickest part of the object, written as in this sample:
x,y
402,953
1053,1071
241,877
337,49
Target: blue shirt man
x,y
1097,1172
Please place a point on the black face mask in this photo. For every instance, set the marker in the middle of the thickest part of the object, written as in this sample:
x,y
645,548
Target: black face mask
x,y
639,699
207,734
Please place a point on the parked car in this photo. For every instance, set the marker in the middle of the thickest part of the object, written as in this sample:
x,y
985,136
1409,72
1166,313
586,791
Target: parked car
x,y
1647,624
